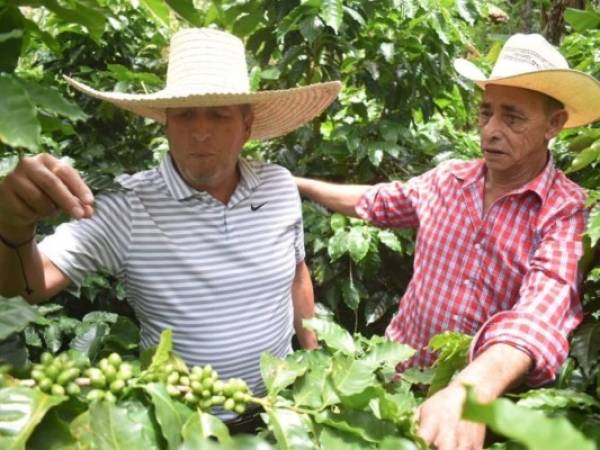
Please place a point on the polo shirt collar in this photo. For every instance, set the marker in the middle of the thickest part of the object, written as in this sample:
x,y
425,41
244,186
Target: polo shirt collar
x,y
540,185
180,190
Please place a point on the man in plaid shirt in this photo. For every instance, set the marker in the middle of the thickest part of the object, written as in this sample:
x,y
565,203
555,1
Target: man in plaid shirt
x,y
498,241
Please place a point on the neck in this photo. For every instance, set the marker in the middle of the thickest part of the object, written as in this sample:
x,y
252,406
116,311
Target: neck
x,y
508,180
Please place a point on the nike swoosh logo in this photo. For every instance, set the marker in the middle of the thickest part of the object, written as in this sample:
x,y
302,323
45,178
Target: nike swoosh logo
x,y
257,207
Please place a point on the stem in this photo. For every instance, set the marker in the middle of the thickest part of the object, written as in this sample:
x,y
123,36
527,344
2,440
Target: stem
x,y
266,404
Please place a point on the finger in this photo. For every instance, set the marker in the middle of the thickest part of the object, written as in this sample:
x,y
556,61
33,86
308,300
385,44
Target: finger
x,y
15,212
88,211
72,179
446,439
427,429
31,196
56,190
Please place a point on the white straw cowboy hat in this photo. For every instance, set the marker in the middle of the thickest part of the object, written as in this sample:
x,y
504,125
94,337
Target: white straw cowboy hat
x,y
207,67
529,61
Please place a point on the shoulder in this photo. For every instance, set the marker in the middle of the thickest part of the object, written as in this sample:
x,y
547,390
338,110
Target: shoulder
x,y
139,180
567,192
269,173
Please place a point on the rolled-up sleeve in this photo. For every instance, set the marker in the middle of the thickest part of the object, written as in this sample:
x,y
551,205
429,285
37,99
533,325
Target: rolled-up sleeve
x,y
548,308
391,205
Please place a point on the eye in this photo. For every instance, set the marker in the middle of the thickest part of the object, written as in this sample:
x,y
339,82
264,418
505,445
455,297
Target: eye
x,y
484,115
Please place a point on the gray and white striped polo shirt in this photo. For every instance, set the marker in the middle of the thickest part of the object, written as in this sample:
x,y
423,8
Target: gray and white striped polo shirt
x,y
218,275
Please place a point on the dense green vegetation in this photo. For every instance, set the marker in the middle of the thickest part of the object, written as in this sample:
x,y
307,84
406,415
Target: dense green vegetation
x,y
402,111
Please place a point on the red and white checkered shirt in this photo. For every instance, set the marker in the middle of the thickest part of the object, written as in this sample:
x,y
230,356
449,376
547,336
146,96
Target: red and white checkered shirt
x,y
509,276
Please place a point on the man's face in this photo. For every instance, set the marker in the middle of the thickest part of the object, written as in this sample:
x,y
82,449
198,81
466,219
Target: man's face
x,y
515,129
205,142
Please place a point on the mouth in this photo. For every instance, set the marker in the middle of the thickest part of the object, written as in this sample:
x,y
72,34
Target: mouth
x,y
493,151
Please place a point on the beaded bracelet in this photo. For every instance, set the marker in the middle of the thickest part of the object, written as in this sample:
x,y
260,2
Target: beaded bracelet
x,y
16,248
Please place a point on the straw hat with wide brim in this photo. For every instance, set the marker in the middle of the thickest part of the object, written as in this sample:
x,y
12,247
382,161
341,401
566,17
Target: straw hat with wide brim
x,y
207,67
529,61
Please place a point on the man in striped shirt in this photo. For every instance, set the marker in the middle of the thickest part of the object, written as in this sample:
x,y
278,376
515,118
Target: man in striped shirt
x,y
208,244
498,239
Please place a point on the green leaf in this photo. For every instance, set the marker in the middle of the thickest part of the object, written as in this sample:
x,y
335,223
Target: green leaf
x,y
395,443
159,11
11,37
200,427
334,336
89,338
53,433
21,410
390,240
52,337
170,415
81,429
186,10
50,100
593,226
582,20
19,126
124,335
291,430
332,439
14,351
122,73
332,13
127,426
279,373
351,295
337,221
358,243
585,345
32,338
93,19
338,244
388,353
375,153
453,351
352,376
554,400
359,423
307,389
162,354
100,317
529,427
15,315
586,157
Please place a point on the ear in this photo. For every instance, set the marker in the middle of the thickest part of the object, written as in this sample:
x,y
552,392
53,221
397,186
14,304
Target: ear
x,y
248,118
556,122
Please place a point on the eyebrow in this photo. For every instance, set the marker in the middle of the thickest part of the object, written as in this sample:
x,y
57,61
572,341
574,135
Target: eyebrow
x,y
504,107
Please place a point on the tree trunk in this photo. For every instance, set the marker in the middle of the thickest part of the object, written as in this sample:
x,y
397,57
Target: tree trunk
x,y
555,27
527,16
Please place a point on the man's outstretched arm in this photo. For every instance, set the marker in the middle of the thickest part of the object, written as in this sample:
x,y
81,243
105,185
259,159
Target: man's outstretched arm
x,y
491,374
340,198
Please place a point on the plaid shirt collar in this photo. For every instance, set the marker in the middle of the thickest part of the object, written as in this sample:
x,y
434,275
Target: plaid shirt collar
x,y
180,190
540,185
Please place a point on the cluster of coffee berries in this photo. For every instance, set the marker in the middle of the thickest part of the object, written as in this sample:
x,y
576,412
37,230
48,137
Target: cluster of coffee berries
x,y
56,375
202,388
109,378
236,394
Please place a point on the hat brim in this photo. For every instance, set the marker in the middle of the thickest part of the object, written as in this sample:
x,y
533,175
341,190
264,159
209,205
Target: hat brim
x,y
578,91
276,112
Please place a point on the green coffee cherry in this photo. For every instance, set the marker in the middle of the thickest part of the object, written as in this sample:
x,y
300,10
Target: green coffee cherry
x,y
115,360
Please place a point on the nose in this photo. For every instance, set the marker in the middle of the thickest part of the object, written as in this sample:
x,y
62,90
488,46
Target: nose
x,y
491,130
201,129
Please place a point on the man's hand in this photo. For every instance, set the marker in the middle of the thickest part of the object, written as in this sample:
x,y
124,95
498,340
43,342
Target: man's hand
x,y
40,187
440,423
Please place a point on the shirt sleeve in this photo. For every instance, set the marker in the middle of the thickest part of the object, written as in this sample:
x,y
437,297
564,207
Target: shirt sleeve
x,y
299,234
548,308
394,204
89,245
